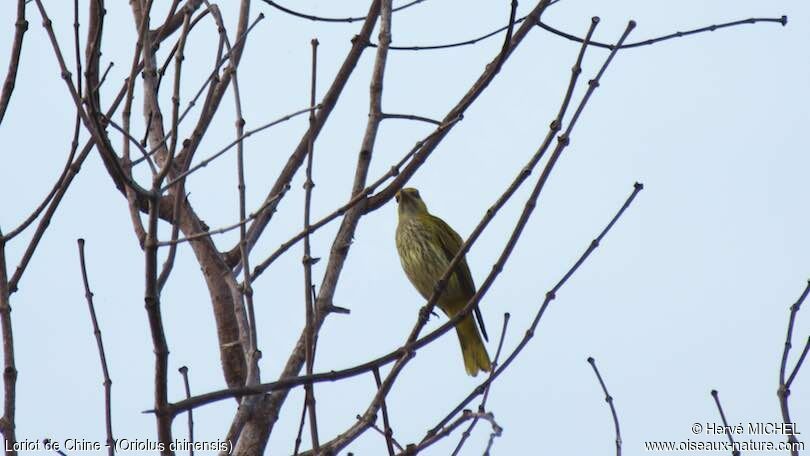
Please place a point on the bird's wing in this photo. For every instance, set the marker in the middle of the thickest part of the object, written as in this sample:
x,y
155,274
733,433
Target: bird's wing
x,y
451,244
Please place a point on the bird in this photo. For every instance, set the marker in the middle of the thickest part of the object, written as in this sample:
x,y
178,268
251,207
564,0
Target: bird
x,y
426,246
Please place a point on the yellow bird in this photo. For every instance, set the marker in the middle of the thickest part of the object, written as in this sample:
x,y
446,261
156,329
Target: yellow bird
x,y
426,245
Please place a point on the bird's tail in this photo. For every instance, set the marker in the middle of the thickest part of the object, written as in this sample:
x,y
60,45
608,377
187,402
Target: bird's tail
x,y
472,347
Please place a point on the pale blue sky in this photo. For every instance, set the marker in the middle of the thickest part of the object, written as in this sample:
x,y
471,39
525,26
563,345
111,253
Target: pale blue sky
x,y
689,292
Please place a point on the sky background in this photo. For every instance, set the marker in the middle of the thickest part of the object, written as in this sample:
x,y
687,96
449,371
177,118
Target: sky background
x,y
688,293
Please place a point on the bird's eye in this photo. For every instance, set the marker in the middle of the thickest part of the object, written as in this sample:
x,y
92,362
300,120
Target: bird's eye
x,y
416,193
397,197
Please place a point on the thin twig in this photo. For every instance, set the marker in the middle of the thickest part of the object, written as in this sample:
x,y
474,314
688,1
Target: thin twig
x,y
92,55
8,420
307,261
171,53
168,263
347,20
716,396
609,400
469,42
388,433
91,122
487,76
445,431
76,129
184,372
211,79
60,181
133,140
328,102
44,223
783,392
298,437
147,128
218,88
482,406
411,117
20,26
102,356
232,144
50,444
382,433
76,47
216,231
799,363
178,66
507,41
103,77
710,28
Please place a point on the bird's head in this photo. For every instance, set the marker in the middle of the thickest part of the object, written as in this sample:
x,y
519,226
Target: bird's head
x,y
410,203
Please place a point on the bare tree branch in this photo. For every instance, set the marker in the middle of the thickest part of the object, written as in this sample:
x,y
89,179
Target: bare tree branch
x,y
160,346
175,19
471,41
783,392
8,420
347,20
208,83
225,296
175,241
102,356
298,436
91,122
308,261
609,400
63,186
798,363
168,263
445,431
340,246
458,110
20,26
231,145
715,395
411,117
184,372
388,433
60,181
482,406
710,28
359,44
